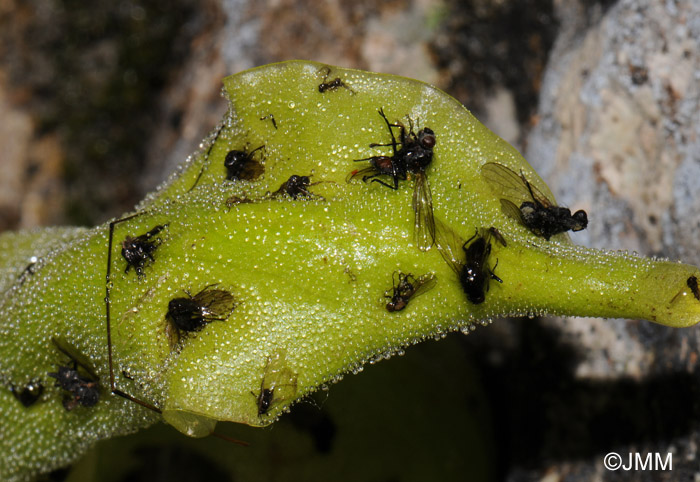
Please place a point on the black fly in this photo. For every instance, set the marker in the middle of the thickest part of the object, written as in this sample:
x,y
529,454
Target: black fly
x,y
472,267
522,201
84,390
334,84
296,186
137,251
407,287
192,313
413,157
28,395
242,165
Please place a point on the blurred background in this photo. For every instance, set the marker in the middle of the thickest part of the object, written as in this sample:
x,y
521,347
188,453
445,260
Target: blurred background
x,y
99,101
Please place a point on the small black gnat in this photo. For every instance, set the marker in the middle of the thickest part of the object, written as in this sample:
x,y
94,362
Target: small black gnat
x,y
272,119
334,84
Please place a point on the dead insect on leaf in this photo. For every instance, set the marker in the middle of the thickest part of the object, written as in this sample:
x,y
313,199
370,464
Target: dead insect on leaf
x,y
523,202
406,287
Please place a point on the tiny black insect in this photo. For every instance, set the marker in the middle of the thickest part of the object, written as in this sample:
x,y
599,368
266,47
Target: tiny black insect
x,y
522,201
334,84
413,157
28,395
192,313
297,186
692,283
137,251
241,165
407,287
28,270
84,390
272,119
294,186
264,400
472,268
279,383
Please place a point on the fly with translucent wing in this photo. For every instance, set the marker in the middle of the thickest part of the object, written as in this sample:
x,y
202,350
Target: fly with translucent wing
x,y
407,287
522,201
413,157
82,390
193,312
470,259
242,165
278,385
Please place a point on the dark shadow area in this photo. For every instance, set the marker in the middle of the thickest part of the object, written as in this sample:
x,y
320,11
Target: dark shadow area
x,y
485,45
55,476
174,464
317,423
544,415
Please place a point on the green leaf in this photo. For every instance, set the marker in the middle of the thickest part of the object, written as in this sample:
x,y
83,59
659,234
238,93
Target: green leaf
x,y
308,275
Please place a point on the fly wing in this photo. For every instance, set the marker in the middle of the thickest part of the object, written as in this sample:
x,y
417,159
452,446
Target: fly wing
x,y
563,237
507,184
424,284
511,210
537,195
424,222
68,349
279,378
251,170
449,245
218,303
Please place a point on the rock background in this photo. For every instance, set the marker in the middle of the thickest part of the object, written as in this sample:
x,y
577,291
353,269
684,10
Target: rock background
x,y
99,102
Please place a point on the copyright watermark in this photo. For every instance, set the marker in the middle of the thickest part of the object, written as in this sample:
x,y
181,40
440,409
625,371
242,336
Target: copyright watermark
x,y
635,461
